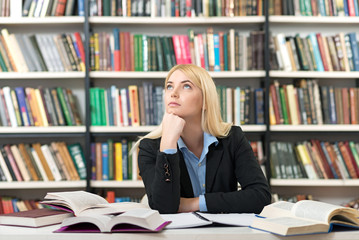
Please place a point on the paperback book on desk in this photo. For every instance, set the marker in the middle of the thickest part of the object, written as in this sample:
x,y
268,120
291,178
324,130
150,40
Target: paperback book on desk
x,y
304,217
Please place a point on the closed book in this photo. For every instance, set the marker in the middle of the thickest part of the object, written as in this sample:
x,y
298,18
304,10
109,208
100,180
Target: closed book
x,y
66,174
16,108
34,218
10,106
37,153
74,107
57,107
51,162
78,158
11,166
64,106
134,105
18,170
32,168
20,93
6,168
355,50
64,152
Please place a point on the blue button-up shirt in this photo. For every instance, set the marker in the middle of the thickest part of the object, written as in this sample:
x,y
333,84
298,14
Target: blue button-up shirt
x,y
196,167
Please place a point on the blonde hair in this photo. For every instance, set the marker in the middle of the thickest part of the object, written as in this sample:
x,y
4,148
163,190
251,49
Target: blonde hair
x,y
212,122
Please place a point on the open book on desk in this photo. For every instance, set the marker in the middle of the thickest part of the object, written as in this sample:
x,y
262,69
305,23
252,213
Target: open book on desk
x,y
135,220
84,203
198,219
304,217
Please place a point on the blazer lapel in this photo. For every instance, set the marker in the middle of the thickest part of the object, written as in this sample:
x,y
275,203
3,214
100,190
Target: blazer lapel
x,y
186,184
214,158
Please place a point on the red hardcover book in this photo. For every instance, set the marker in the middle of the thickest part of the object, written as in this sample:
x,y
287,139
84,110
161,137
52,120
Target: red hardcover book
x,y
274,97
324,162
122,51
351,8
178,49
322,51
201,50
80,46
60,8
355,165
127,51
347,159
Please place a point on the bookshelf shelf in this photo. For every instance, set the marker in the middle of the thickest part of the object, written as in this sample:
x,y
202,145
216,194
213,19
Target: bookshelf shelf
x,y
314,183
156,75
68,129
313,74
177,20
42,75
144,129
42,20
43,185
315,128
117,184
313,20
115,129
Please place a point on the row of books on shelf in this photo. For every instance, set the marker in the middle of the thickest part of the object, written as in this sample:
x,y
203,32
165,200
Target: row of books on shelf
x,y
26,106
143,105
55,161
113,160
45,8
315,159
131,106
214,51
315,52
314,8
305,102
11,204
178,8
293,198
41,52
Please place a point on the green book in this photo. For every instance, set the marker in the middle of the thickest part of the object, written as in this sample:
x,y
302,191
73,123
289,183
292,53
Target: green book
x,y
106,7
64,107
225,51
102,107
111,167
93,103
78,158
2,64
167,54
284,105
159,52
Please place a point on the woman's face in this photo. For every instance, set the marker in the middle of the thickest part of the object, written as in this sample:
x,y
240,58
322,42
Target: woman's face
x,y
182,97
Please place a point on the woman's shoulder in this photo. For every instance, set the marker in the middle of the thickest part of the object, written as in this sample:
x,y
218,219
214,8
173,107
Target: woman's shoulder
x,y
150,143
235,130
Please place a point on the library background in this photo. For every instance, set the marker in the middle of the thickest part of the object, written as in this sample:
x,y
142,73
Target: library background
x,y
81,80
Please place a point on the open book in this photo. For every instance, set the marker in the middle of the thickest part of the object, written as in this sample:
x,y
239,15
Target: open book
x,y
198,219
135,220
84,203
304,217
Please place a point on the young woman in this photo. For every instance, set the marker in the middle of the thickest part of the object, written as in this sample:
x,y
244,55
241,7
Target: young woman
x,y
194,161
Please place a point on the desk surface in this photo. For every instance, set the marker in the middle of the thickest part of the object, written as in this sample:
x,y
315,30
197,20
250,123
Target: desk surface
x,y
205,233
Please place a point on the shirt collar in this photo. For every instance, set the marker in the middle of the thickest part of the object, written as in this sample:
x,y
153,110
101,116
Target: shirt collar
x,y
208,139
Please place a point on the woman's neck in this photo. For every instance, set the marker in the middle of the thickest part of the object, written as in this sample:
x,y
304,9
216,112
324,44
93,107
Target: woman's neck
x,y
192,136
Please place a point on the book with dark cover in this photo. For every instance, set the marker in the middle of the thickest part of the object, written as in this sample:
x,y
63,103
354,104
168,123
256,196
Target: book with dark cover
x,y
34,218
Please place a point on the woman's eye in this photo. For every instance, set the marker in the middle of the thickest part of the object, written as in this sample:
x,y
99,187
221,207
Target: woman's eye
x,y
187,86
169,87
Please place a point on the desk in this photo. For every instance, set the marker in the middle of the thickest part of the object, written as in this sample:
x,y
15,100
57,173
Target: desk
x,y
205,233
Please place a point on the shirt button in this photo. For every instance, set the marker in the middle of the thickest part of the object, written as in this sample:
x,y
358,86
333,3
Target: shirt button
x,y
199,164
203,185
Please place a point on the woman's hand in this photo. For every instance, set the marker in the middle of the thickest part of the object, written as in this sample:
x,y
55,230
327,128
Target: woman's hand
x,y
172,126
189,205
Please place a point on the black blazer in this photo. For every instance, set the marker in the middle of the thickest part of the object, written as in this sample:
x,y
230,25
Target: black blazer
x,y
231,162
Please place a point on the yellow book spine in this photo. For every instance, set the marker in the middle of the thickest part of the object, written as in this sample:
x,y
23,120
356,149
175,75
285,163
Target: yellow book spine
x,y
40,105
118,161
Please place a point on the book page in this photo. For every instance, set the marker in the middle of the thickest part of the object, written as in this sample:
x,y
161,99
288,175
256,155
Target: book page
x,y
184,220
77,201
234,219
318,211
85,223
113,208
277,209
